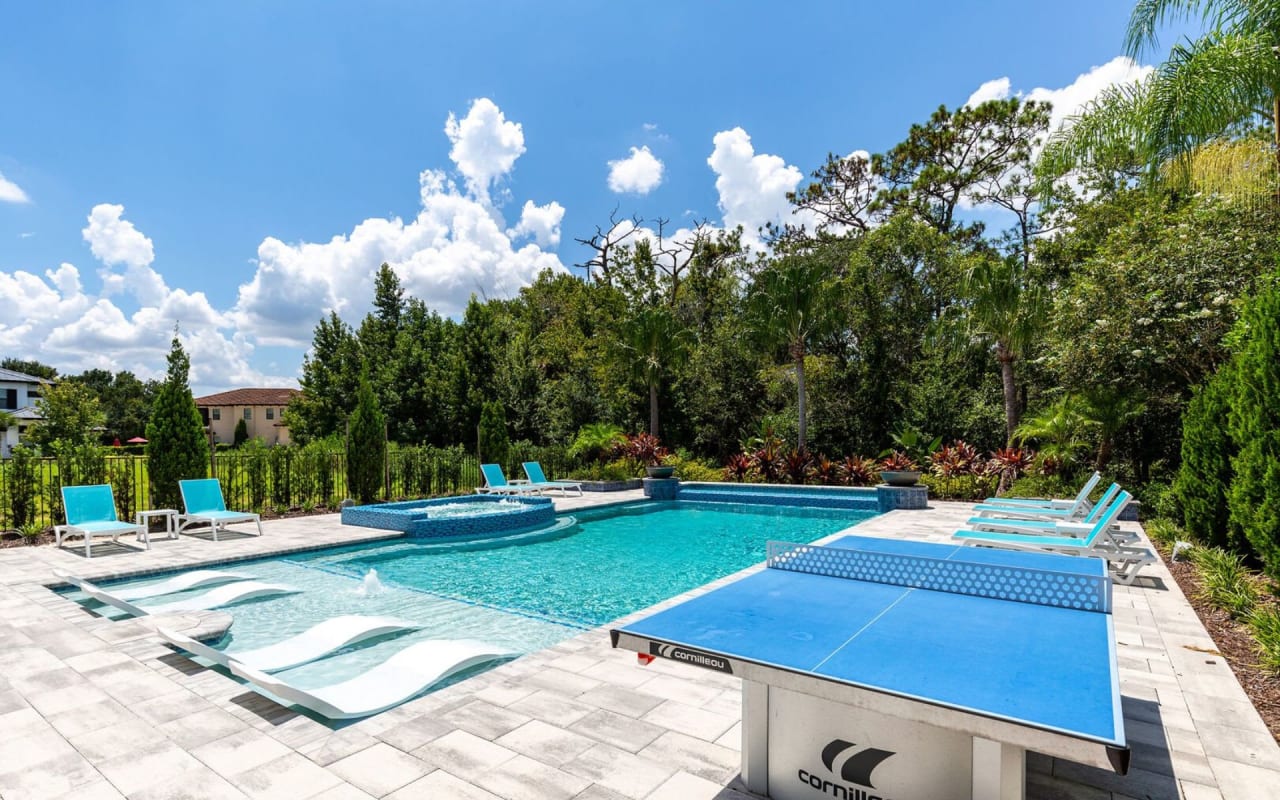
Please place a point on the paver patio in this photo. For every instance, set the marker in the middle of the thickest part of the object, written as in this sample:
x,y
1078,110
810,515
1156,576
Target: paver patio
x,y
91,708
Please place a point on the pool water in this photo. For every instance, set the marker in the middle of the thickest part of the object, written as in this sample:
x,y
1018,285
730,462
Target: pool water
x,y
524,593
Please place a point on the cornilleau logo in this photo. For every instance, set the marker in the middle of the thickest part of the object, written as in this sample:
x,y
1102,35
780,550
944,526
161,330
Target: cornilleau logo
x,y
851,765
677,653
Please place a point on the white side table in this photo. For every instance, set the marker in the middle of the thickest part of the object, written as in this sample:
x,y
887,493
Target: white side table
x,y
169,515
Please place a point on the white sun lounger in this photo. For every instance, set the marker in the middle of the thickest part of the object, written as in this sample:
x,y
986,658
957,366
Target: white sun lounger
x,y
181,583
315,642
225,596
101,595
401,677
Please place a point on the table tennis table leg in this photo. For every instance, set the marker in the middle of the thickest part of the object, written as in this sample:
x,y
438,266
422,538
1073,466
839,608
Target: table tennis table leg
x,y
755,737
999,771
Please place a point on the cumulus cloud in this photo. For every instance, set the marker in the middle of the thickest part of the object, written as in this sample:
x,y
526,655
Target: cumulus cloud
x,y
11,192
1069,99
997,89
457,245
640,172
485,145
752,186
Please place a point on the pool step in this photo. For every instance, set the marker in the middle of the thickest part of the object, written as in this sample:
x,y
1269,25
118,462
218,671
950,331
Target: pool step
x,y
780,497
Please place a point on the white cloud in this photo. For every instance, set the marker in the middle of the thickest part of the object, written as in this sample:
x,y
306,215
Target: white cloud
x,y
640,172
540,222
26,234
485,145
997,89
456,245
753,187
114,240
11,192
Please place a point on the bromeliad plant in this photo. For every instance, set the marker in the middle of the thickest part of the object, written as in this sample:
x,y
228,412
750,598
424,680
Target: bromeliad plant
x,y
738,469
643,448
858,471
898,461
798,466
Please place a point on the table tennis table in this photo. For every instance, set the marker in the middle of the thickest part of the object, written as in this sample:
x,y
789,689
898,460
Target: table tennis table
x,y
882,669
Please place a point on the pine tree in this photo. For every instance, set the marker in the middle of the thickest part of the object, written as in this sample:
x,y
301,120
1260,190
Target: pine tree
x,y
366,444
1204,478
1255,427
241,434
176,443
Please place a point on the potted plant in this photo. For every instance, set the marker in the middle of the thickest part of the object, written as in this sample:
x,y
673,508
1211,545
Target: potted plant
x,y
898,469
646,449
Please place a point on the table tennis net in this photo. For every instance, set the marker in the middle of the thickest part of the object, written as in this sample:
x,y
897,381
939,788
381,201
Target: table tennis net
x,y
954,575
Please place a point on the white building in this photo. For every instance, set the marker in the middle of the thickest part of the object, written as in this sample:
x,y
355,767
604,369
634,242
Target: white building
x,y
18,395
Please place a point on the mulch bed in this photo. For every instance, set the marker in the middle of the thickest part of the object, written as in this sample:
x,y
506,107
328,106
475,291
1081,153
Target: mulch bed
x,y
1235,643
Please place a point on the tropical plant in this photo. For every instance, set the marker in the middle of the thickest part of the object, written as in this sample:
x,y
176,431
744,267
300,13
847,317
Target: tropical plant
x,y
1109,409
31,532
1007,311
1225,81
827,472
596,441
858,471
910,440
176,443
653,344
366,444
1010,463
768,461
1264,623
798,466
791,304
643,448
956,459
898,461
737,468
1060,430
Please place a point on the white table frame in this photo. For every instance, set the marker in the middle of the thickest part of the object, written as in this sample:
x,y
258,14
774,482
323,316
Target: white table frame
x,y
170,516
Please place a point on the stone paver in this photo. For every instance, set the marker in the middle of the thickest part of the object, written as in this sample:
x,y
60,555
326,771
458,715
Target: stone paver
x,y
92,708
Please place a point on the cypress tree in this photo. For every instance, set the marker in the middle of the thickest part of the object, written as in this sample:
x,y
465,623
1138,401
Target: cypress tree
x,y
366,444
1204,478
493,433
1255,427
241,433
176,443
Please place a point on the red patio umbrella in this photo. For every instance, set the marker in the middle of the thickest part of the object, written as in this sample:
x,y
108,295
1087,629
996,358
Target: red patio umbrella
x,y
137,440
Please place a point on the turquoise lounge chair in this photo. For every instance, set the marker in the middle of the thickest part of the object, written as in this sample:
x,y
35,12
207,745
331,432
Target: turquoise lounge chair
x,y
1125,561
533,470
1076,508
1040,520
203,504
91,511
496,483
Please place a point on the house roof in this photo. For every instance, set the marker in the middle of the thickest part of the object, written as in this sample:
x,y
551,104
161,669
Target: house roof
x,y
29,413
248,397
20,377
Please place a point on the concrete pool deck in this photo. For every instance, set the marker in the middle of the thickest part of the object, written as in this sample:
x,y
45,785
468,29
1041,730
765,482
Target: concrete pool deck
x,y
91,708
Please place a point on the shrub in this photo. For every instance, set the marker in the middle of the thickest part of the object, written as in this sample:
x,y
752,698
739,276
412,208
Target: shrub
x,y
280,460
176,444
24,485
859,471
596,441
1034,485
1164,531
494,442
366,444
241,434
827,472
1254,500
798,466
898,461
643,448
1204,479
256,469
1224,580
738,468
691,469
123,484
1264,622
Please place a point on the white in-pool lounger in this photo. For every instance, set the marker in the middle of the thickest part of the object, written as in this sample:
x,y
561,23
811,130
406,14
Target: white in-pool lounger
x,y
313,643
180,583
403,676
222,596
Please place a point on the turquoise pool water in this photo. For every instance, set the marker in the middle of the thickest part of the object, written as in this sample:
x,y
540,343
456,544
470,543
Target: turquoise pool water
x,y
526,593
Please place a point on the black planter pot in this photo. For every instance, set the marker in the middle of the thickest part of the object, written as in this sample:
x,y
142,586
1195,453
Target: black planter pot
x,y
660,472
900,478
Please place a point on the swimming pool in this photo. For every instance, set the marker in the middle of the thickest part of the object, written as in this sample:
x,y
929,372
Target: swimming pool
x,y
523,593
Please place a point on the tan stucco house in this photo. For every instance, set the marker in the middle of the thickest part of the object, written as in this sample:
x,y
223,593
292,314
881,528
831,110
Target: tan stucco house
x,y
261,409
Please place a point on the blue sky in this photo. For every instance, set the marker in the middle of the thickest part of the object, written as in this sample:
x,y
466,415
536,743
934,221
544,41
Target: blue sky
x,y
195,161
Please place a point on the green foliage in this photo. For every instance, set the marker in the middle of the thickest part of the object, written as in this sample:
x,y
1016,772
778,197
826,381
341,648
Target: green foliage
x,y
1055,485
1264,623
688,468
330,374
1254,501
1224,581
1059,432
70,412
176,445
1164,531
256,469
595,442
29,367
494,441
24,486
241,434
366,445
123,398
1204,478
122,475
620,469
280,460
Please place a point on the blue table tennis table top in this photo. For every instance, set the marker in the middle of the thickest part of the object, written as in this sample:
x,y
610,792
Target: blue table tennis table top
x,y
1047,667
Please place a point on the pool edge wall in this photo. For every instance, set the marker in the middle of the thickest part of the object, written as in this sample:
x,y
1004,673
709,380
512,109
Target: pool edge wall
x,y
411,518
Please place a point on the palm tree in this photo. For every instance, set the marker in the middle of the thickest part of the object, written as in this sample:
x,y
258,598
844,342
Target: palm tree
x,y
654,343
1226,80
791,303
1058,430
1109,410
1006,311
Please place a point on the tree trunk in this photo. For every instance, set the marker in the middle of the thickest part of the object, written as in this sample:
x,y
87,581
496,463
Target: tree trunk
x,y
1010,391
802,400
1104,454
653,408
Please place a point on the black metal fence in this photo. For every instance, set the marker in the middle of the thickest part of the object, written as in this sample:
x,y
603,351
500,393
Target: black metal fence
x,y
273,479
